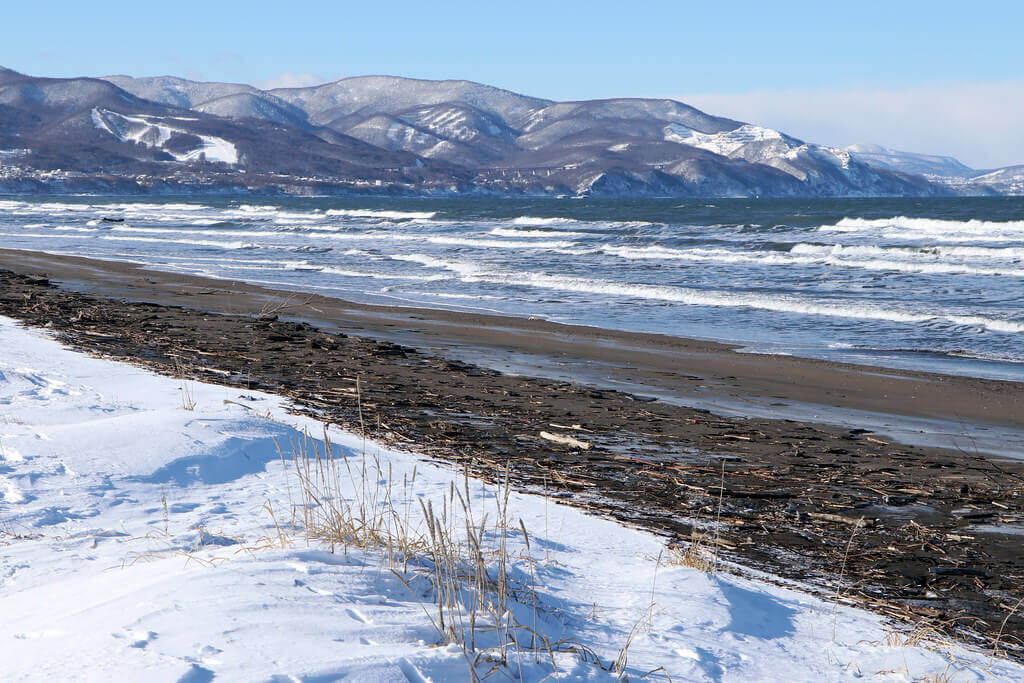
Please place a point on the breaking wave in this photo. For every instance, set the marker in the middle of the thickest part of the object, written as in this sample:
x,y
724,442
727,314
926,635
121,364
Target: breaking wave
x,y
897,259
903,226
472,272
539,220
519,232
387,215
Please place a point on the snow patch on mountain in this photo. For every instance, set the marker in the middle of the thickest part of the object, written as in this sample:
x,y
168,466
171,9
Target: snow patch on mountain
x,y
143,129
720,143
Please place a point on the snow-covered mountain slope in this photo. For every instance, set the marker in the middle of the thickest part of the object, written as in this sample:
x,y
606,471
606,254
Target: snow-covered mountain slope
x,y
150,529
819,170
1009,180
254,106
392,133
230,100
179,92
910,162
369,95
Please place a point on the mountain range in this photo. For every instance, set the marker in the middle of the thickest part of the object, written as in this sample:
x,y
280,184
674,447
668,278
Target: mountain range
x,y
400,136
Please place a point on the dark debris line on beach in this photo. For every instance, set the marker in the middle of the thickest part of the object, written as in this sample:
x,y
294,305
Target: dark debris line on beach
x,y
792,493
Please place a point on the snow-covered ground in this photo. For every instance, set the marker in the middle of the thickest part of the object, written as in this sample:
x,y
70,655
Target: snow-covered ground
x,y
139,541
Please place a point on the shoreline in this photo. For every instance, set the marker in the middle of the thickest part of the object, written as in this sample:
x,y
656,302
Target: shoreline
x,y
714,375
934,528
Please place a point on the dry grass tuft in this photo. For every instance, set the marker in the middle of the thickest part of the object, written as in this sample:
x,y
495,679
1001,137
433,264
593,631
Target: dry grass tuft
x,y
695,554
925,635
452,553
188,401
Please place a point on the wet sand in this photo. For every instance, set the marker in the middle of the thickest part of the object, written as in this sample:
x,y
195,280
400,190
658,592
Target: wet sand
x,y
932,529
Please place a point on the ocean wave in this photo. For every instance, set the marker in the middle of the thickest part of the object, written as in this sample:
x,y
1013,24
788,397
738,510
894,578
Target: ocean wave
x,y
387,215
376,236
596,225
447,295
257,208
940,251
935,227
898,259
74,228
473,272
539,220
519,232
212,266
18,208
486,243
237,244
699,254
185,231
146,206
332,270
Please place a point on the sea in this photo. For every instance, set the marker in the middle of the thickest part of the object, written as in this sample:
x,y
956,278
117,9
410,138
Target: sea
x,y
929,284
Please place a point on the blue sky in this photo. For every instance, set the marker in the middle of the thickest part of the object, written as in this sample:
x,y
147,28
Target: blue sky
x,y
751,52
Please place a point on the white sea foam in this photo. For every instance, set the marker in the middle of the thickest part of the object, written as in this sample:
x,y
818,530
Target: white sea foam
x,y
145,206
514,232
928,227
185,231
301,267
446,295
236,244
487,243
331,270
931,252
899,259
32,235
537,220
926,268
388,215
714,255
473,272
73,228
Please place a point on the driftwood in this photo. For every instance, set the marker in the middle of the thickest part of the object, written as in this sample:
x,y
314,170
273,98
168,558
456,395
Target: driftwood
x,y
566,440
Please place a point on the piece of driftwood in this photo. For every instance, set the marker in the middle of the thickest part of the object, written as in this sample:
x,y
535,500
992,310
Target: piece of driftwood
x,y
566,440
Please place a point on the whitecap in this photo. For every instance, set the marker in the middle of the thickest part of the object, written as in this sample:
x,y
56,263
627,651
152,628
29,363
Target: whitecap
x,y
474,272
387,215
518,232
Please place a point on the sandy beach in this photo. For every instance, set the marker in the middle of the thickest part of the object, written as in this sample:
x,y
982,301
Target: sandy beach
x,y
490,391
687,371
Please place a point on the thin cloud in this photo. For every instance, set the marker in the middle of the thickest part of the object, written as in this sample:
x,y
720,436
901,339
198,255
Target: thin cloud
x,y
979,123
291,80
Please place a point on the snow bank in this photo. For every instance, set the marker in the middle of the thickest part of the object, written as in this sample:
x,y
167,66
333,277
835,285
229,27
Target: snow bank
x,y
139,539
